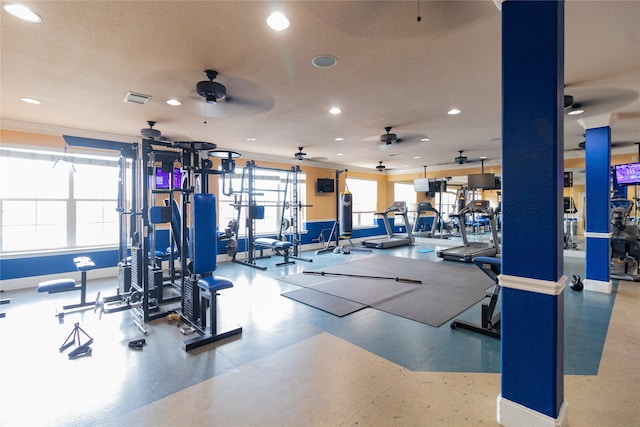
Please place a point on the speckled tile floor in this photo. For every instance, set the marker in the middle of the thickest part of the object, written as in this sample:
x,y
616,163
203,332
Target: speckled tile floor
x,y
296,365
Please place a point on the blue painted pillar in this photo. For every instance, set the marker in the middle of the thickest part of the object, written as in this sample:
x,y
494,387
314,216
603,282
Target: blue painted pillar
x,y
597,233
532,382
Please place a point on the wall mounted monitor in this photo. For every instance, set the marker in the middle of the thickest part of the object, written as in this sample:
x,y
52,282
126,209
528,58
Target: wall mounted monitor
x,y
627,174
325,185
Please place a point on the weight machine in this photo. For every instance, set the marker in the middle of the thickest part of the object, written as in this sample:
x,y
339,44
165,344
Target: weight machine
x,y
286,244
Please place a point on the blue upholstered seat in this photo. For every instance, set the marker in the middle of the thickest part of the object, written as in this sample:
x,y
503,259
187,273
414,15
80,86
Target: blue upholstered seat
x,y
214,283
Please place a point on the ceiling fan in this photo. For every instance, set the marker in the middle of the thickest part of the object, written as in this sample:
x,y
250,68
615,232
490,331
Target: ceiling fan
x,y
300,155
389,139
151,133
211,91
380,167
248,99
461,159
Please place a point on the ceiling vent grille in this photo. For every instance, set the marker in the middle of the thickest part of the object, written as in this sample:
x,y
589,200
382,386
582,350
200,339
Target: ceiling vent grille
x,y
137,98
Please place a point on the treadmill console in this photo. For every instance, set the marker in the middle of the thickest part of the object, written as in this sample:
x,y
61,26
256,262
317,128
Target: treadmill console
x,y
398,207
482,206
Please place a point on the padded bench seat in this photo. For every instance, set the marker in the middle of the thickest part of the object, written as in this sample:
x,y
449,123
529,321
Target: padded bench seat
x,y
57,285
214,283
278,246
273,243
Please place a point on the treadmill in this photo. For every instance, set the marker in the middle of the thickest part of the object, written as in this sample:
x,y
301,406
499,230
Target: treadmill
x,y
438,230
471,250
392,240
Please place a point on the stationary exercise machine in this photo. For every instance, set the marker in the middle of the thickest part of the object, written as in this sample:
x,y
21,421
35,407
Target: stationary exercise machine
x,y
625,242
392,240
470,250
570,223
437,229
489,322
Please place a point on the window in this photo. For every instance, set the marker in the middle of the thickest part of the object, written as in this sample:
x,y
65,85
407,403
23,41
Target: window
x,y
46,207
273,189
406,193
365,200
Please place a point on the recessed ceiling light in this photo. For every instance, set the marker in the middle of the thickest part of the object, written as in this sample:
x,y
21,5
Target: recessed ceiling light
x,y
30,101
324,61
575,112
416,157
483,157
250,139
338,139
278,21
335,110
339,154
425,139
453,112
22,12
174,102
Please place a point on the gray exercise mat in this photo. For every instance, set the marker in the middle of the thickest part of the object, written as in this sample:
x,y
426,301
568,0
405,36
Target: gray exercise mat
x,y
447,288
326,302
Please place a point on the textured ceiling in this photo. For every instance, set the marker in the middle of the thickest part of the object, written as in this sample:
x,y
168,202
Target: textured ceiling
x,y
392,70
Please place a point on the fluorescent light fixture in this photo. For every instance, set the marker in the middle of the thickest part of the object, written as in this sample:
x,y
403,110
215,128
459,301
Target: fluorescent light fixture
x,y
454,111
174,102
339,154
575,111
31,101
335,111
417,157
22,12
250,139
278,21
338,139
425,139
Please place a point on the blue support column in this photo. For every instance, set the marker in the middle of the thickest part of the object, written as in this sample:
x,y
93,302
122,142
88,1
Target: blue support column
x,y
532,383
598,232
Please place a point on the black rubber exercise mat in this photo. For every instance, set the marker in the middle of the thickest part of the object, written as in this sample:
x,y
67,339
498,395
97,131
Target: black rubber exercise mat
x,y
326,302
446,290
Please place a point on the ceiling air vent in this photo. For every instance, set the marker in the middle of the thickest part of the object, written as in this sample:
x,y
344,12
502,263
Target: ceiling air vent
x,y
137,98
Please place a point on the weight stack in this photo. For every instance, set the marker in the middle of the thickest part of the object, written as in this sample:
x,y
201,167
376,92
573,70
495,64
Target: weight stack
x,y
136,268
155,284
124,277
190,300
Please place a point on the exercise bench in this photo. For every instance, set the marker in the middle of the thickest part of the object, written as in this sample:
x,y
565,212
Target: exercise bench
x,y
279,247
489,323
83,264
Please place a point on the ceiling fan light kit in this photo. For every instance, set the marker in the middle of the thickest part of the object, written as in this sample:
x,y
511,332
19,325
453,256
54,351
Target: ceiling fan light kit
x,y
211,91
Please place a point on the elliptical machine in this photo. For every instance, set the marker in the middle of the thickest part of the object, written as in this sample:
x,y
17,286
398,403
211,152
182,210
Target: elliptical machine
x,y
625,242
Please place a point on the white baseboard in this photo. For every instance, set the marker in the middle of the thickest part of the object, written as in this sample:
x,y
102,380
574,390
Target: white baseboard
x,y
32,282
598,286
511,414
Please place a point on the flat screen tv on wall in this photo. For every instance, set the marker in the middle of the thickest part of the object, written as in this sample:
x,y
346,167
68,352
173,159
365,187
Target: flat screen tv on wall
x,y
627,174
325,185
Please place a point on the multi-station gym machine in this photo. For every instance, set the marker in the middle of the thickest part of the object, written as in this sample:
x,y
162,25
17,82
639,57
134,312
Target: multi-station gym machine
x,y
287,242
143,205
